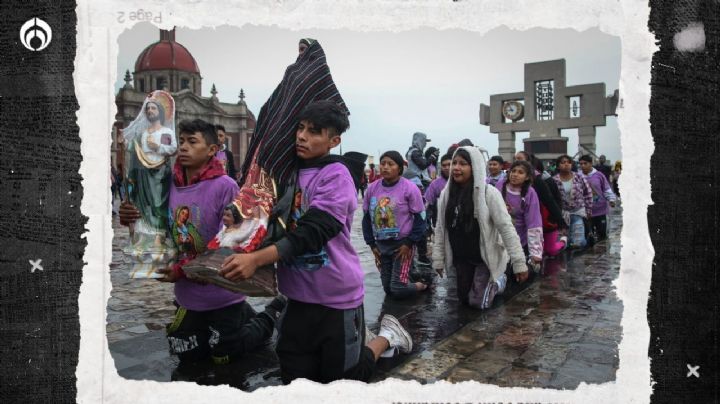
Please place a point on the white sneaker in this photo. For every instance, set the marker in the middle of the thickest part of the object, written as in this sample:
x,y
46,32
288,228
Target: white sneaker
x,y
389,353
396,335
369,336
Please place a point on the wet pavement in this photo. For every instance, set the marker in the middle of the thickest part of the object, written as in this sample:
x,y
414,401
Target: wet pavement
x,y
557,331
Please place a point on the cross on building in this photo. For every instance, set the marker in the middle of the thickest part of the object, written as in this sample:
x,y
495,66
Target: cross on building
x,y
544,108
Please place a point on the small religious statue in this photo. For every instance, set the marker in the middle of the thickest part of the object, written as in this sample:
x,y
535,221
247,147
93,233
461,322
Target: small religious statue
x,y
151,142
237,232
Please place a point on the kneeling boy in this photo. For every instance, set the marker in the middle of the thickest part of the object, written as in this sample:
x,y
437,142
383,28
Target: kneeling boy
x,y
210,321
322,335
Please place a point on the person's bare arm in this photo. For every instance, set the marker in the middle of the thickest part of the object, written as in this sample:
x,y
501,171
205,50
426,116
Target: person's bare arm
x,y
238,267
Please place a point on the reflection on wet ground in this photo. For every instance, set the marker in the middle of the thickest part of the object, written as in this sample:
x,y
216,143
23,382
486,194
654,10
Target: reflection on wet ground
x,y
559,330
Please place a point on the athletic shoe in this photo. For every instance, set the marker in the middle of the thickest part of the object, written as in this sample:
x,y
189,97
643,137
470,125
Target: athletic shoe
x,y
369,336
424,260
396,335
501,282
276,306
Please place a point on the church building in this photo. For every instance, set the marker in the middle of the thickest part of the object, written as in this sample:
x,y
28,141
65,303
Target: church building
x,y
168,65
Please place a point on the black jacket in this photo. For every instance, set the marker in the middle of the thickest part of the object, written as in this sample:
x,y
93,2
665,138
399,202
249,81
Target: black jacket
x,y
316,227
232,172
549,195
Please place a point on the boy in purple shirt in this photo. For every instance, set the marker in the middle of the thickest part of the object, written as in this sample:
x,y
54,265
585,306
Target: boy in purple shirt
x,y
602,195
209,321
322,336
495,172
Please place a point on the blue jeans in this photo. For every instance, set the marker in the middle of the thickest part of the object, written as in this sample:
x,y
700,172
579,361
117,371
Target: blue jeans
x,y
577,232
394,273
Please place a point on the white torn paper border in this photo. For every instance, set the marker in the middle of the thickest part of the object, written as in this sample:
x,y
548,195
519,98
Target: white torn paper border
x,y
97,50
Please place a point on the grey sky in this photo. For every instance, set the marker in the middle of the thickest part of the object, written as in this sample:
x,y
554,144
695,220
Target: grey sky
x,y
396,84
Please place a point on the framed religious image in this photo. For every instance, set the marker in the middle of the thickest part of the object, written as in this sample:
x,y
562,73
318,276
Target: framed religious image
x,y
256,103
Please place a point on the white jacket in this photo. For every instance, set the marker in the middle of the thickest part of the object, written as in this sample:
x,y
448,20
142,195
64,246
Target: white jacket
x,y
498,237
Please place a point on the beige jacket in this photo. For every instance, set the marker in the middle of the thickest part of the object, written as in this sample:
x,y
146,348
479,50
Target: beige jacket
x,y
499,242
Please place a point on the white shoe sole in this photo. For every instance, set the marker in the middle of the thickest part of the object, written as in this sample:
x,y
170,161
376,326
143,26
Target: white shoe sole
x,y
405,334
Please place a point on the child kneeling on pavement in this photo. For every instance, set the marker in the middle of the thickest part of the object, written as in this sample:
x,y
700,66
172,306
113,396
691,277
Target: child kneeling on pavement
x,y
322,334
472,213
210,322
393,225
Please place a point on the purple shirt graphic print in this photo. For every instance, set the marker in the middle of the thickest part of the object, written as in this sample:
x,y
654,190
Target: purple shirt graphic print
x,y
339,282
196,217
392,208
308,261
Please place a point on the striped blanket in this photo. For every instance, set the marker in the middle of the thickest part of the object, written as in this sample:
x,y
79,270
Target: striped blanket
x,y
306,80
270,167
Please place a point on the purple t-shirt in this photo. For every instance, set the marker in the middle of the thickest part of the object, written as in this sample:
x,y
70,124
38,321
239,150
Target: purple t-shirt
x,y
333,277
392,208
494,180
432,193
524,215
600,188
432,170
196,217
220,155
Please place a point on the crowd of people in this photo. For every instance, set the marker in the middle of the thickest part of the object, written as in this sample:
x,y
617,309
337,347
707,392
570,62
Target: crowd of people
x,y
489,222
534,210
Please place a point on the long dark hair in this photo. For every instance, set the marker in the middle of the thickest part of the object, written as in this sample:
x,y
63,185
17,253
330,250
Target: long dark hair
x,y
537,164
461,198
525,186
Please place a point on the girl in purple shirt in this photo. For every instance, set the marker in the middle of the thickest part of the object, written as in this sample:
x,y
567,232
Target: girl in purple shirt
x,y
524,208
576,200
393,225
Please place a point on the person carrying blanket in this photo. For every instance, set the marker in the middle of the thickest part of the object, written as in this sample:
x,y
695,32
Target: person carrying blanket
x,y
270,167
309,197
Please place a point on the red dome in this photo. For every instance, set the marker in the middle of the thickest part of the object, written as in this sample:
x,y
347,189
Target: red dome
x,y
166,54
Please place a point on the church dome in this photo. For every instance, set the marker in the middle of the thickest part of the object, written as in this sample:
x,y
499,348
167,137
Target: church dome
x,y
166,54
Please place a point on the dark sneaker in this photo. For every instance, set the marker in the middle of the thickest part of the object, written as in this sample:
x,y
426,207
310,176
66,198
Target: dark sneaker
x,y
396,335
424,260
276,306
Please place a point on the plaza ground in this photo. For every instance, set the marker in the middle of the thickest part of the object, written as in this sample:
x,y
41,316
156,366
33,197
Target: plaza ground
x,y
557,331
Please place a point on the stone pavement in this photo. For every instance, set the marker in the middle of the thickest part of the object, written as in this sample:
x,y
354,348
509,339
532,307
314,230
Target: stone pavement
x,y
562,330
557,331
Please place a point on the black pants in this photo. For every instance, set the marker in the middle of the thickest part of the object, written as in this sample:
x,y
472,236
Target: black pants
x,y
465,273
599,223
323,344
223,334
422,248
